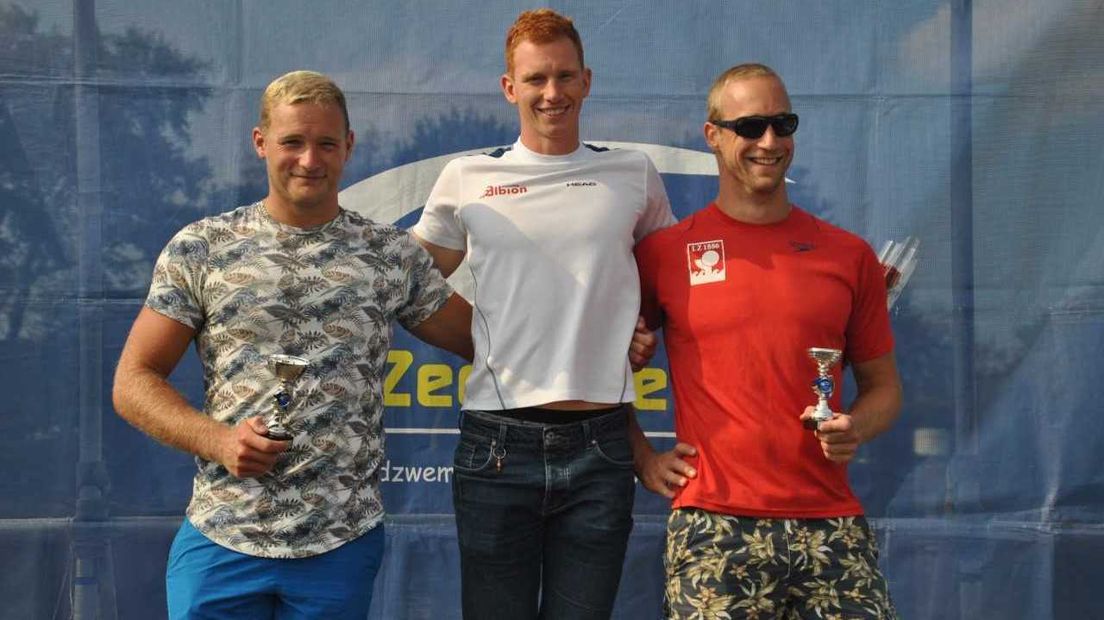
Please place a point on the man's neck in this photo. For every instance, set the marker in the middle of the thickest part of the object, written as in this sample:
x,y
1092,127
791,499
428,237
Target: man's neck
x,y
754,209
545,146
299,216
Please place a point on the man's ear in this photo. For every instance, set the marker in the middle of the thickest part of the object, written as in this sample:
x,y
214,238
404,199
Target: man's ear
x,y
710,131
507,84
259,142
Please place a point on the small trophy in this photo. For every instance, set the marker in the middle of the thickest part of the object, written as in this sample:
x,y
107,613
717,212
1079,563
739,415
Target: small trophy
x,y
823,385
287,369
898,259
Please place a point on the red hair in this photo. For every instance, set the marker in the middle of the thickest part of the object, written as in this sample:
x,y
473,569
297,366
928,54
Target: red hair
x,y
541,26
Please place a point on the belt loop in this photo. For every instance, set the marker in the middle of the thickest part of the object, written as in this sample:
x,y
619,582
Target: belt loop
x,y
587,434
626,410
502,428
460,420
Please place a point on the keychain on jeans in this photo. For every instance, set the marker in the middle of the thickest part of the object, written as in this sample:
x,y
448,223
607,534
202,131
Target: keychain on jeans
x,y
499,454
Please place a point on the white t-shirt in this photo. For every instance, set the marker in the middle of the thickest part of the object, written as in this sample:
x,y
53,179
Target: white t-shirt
x,y
549,243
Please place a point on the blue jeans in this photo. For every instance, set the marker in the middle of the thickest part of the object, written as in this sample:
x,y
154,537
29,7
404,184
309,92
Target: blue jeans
x,y
543,515
205,580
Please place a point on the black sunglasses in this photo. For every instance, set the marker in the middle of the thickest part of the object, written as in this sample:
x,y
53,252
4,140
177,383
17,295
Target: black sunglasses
x,y
753,127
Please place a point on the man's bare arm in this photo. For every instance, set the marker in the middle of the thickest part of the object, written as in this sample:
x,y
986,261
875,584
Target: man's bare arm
x,y
642,347
878,403
659,472
445,259
144,397
875,409
449,328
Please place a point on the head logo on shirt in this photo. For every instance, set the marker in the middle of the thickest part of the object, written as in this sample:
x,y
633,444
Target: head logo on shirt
x,y
706,262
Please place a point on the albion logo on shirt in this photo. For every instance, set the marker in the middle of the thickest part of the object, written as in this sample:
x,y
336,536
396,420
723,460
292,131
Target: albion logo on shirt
x,y
706,262
503,190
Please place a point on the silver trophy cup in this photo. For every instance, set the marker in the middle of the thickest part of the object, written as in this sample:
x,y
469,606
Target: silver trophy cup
x,y
287,369
823,385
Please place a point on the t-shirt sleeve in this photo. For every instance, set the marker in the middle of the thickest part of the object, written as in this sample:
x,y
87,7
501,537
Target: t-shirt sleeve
x,y
427,289
177,283
869,333
657,211
649,298
440,223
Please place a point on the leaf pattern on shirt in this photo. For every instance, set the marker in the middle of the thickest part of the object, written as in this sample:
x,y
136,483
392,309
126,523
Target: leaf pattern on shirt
x,y
252,287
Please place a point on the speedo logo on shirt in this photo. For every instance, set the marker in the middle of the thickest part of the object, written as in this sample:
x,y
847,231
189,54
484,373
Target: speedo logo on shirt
x,y
582,183
503,190
705,262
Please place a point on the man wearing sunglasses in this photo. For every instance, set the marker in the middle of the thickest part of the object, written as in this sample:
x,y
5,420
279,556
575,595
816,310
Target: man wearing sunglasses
x,y
769,527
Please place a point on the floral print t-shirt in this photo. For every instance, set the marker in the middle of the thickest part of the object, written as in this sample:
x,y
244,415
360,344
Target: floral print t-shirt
x,y
252,287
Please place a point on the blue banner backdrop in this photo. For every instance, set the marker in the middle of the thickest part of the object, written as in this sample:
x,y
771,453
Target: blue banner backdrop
x,y
975,126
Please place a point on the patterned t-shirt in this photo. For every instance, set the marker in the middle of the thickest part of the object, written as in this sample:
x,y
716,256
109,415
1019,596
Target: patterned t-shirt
x,y
252,287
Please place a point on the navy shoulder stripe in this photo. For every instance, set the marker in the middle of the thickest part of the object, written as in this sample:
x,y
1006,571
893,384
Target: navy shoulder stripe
x,y
596,149
499,152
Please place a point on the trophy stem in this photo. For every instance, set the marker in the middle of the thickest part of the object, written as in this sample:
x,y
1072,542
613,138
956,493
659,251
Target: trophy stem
x,y
275,420
287,369
823,386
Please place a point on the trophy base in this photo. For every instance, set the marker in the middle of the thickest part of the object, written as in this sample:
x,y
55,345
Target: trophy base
x,y
821,414
276,431
278,435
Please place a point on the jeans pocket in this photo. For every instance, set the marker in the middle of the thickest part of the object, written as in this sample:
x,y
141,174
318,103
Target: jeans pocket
x,y
613,450
474,453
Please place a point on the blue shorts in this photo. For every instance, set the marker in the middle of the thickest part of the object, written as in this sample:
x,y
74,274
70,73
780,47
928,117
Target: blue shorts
x,y
205,580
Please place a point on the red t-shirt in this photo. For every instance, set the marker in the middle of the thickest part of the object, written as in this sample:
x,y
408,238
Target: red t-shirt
x,y
739,305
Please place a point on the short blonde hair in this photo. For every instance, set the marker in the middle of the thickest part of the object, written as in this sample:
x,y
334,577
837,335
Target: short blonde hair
x,y
541,26
739,72
301,87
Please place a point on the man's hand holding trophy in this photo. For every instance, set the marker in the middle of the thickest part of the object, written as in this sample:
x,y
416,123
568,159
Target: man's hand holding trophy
x,y
898,260
287,369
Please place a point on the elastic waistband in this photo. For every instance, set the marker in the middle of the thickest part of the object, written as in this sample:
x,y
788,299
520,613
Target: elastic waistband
x,y
555,417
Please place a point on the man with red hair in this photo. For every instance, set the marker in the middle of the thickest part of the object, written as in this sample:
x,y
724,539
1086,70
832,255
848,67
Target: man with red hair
x,y
543,473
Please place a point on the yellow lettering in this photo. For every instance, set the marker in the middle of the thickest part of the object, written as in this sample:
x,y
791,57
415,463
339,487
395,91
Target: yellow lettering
x,y
400,361
462,381
433,377
649,381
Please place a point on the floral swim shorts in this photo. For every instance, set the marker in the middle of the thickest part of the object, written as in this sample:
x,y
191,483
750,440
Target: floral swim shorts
x,y
722,567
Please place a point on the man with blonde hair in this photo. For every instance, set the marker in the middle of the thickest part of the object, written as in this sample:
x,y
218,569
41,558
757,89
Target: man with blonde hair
x,y
543,473
743,289
288,525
